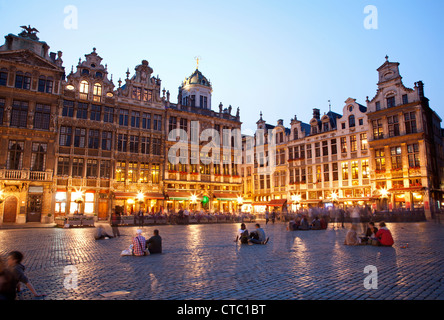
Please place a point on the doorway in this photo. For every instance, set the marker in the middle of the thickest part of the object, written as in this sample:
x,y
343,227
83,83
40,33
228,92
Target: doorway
x,y
10,212
34,208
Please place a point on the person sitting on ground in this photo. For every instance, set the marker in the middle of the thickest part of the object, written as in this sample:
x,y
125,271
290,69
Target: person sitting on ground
x,y
258,236
384,236
243,235
101,233
370,234
154,244
316,224
139,244
18,270
352,239
304,224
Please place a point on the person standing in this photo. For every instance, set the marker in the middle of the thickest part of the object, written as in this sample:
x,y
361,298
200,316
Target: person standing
x,y
141,218
273,216
267,216
154,244
115,221
18,270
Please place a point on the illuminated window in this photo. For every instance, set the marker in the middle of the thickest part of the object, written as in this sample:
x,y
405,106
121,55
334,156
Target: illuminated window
x,y
413,155
355,170
60,207
365,170
120,171
345,171
97,93
155,171
396,158
353,144
380,159
84,89
364,142
89,202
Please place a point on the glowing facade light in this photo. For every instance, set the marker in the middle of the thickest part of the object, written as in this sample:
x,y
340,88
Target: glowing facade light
x,y
240,200
384,193
140,197
193,198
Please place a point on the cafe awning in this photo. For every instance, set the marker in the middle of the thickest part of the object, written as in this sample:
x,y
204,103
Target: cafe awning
x,y
277,203
182,195
154,196
125,195
225,196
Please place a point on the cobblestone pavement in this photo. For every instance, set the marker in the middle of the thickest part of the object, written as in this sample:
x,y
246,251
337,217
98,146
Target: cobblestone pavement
x,y
203,262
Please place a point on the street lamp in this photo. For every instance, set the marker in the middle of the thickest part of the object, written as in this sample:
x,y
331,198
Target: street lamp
x,y
78,198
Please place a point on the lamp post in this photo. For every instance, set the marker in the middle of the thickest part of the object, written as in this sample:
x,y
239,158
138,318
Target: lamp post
x,y
240,201
78,198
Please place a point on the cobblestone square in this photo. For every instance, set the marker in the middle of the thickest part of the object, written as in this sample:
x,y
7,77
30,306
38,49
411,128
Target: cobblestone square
x,y
202,262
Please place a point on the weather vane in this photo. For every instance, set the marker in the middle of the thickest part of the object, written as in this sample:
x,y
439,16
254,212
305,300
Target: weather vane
x,y
198,58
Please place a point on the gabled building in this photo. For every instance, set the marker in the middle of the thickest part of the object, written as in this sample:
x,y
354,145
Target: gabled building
x,y
30,93
405,144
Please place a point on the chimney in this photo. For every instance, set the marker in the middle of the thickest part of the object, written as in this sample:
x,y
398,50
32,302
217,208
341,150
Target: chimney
x,y
316,114
421,89
280,122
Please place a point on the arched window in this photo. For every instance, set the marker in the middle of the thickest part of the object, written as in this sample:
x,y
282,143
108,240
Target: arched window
x,y
351,121
84,89
97,92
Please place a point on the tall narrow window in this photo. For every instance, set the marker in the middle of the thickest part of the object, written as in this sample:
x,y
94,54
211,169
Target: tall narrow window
x,y
396,158
146,120
38,156
378,131
42,116
68,108
155,173
79,137
93,139
65,136
95,112
344,171
413,155
108,114
91,168
120,171
144,173
410,122
380,159
355,170
353,144
19,114
326,172
107,138
63,166
122,143
123,117
77,167
15,155
84,90
391,102
393,126
364,142
145,145
82,110
135,119
365,169
351,121
344,144
335,171
105,169
134,144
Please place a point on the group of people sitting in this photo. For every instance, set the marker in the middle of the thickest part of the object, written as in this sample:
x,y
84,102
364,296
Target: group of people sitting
x,y
301,223
373,236
255,237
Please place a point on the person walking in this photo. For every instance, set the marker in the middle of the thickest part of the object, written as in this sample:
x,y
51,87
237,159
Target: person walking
x,y
273,216
141,217
267,216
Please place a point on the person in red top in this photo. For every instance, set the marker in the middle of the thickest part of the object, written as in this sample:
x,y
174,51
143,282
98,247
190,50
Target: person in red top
x,y
384,236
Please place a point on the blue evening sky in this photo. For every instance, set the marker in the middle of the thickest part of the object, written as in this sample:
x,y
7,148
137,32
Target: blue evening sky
x,y
283,58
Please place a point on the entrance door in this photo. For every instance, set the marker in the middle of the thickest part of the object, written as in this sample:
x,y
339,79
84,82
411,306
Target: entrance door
x,y
10,212
34,208
103,210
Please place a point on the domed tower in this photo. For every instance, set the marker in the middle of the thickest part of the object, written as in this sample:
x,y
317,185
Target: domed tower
x,y
195,91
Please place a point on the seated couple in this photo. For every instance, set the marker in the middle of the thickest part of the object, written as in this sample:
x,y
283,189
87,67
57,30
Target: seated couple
x,y
255,237
142,247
